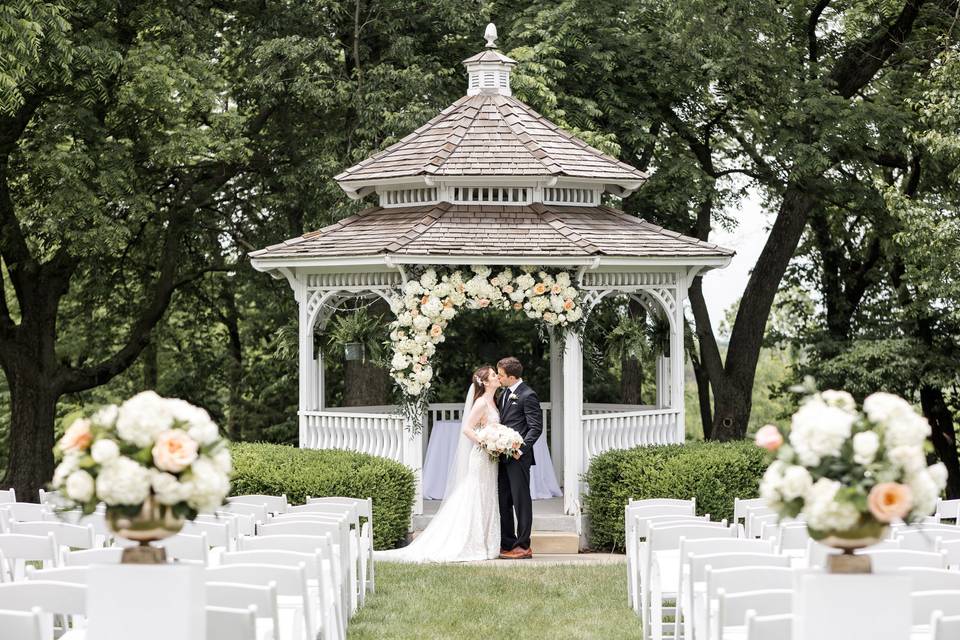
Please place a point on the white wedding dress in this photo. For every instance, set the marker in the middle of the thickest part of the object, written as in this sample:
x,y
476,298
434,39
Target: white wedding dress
x,y
467,525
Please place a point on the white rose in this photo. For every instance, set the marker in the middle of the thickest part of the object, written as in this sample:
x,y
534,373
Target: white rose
x,y
123,481
414,388
421,323
80,486
429,279
574,314
938,473
399,361
448,313
405,319
819,431
412,288
67,466
104,451
570,292
865,446
143,417
795,483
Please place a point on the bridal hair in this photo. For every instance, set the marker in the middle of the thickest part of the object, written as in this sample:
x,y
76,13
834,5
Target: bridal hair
x,y
511,366
479,376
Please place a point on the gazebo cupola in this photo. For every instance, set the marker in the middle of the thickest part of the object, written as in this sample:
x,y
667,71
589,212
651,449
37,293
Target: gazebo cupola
x,y
489,182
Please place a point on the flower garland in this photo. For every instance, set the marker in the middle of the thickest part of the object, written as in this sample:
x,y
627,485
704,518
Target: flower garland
x,y
426,304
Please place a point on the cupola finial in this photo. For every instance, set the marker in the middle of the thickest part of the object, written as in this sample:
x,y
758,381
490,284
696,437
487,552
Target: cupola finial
x,y
490,35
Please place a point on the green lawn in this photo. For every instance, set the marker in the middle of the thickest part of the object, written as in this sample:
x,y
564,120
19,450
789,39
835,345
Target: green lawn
x,y
519,602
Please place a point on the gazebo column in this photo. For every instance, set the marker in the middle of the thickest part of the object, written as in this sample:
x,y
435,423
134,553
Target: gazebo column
x,y
307,368
573,445
556,402
678,357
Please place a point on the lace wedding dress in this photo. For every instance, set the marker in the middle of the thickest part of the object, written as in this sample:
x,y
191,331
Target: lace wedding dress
x,y
467,525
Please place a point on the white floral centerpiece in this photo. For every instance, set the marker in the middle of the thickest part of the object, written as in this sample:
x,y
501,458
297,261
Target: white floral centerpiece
x,y
426,304
498,440
850,473
152,461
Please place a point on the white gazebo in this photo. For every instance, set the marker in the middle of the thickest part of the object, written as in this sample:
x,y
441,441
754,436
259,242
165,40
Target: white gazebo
x,y
489,181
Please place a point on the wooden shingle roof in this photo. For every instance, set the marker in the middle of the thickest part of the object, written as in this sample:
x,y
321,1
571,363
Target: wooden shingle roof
x,y
491,135
446,229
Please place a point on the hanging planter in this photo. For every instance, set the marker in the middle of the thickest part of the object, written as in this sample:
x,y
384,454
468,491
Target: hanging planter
x,y
354,351
425,305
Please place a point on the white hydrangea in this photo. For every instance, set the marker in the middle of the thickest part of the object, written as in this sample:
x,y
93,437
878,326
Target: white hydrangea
x,y
906,430
795,483
938,473
429,279
399,361
839,399
925,493
525,281
448,313
771,481
104,450
819,430
432,308
824,512
563,279
143,417
208,485
222,460
910,458
865,447
68,465
105,416
80,486
123,481
168,489
574,314
882,407
412,288
421,323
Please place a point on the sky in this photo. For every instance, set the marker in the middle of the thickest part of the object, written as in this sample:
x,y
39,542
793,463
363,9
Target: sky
x,y
723,287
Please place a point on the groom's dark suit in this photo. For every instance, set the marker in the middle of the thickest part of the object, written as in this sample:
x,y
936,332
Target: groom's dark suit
x,y
519,410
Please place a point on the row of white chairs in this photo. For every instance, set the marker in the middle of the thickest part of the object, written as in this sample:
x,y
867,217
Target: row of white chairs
x,y
328,541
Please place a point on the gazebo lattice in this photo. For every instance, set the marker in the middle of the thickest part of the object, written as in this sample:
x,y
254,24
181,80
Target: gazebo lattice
x,y
489,181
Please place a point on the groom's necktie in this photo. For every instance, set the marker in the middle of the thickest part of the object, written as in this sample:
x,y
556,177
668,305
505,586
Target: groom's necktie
x,y
503,400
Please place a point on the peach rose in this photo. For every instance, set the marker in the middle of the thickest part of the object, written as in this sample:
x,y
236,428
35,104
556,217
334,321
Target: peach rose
x,y
436,330
568,304
556,289
483,302
425,299
174,451
517,306
889,501
508,289
77,436
769,437
539,288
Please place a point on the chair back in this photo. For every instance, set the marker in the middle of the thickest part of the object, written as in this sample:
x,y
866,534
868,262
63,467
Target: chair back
x,y
310,561
239,596
363,505
948,509
185,546
739,579
732,608
273,504
51,597
699,563
665,536
23,625
73,536
258,512
777,627
641,524
924,603
792,536
891,559
742,506
7,496
73,575
285,542
944,627
86,557
26,511
219,534
231,624
931,579
19,548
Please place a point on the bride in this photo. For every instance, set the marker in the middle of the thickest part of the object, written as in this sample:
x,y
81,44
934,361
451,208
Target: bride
x,y
467,526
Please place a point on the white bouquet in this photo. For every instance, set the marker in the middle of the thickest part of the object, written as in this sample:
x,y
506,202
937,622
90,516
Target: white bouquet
x,y
849,473
498,440
148,447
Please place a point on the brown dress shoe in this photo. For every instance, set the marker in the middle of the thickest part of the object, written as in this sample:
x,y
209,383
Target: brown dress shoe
x,y
513,554
525,554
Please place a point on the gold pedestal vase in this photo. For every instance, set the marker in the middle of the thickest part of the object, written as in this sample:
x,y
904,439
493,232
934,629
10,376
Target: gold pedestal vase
x,y
153,521
864,534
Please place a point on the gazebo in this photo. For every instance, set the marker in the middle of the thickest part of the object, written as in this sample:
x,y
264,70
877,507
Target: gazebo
x,y
489,181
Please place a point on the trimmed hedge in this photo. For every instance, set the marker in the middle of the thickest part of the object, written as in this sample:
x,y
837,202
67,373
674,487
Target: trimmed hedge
x,y
713,472
276,469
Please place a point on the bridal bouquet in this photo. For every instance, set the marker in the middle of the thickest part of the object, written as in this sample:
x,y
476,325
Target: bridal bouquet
x,y
498,440
154,449
851,472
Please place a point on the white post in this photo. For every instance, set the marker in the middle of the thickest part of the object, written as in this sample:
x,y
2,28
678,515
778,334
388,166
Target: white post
x,y
572,426
319,401
556,403
306,368
663,381
678,358
413,458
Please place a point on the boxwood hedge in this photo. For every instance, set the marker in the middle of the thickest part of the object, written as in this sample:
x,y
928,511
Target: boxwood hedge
x,y
277,469
713,472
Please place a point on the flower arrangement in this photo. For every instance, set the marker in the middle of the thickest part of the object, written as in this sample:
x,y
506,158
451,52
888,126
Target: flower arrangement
x,y
425,305
149,447
498,440
849,472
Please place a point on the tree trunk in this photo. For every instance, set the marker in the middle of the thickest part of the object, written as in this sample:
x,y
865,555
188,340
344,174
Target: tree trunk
x,y
703,399
151,369
631,381
943,435
230,317
365,384
31,439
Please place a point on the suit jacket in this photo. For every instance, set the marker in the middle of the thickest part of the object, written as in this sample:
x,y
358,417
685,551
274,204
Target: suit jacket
x,y
523,415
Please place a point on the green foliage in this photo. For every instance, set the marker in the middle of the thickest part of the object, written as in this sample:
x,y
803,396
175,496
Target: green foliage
x,y
299,473
715,473
359,326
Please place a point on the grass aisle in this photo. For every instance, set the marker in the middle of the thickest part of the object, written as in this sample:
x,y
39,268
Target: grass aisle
x,y
520,602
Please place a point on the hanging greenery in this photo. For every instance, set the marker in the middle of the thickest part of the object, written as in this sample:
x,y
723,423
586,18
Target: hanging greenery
x,y
431,297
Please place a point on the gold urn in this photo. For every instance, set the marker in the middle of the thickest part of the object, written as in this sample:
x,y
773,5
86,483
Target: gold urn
x,y
154,521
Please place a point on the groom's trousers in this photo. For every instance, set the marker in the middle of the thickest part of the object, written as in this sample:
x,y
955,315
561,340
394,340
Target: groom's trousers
x,y
513,487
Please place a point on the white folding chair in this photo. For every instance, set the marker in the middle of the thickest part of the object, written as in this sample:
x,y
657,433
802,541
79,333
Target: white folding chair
x,y
63,599
219,534
891,559
22,625
292,592
231,624
642,520
18,549
73,575
185,546
927,538
319,579
732,581
273,504
338,529
792,538
757,517
777,627
86,557
242,524
358,550
67,536
692,579
241,596
732,608
661,564
925,604
365,508
26,511
931,579
258,512
944,627
741,507
7,496
948,510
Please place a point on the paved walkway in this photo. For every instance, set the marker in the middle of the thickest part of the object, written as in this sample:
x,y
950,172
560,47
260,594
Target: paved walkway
x,y
549,559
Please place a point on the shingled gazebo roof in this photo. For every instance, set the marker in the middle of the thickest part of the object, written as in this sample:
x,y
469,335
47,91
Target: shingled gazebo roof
x,y
539,230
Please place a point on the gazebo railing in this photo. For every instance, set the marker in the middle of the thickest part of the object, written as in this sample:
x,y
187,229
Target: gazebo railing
x,y
624,430
377,433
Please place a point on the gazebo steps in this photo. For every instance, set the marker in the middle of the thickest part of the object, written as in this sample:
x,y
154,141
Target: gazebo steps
x,y
554,543
548,517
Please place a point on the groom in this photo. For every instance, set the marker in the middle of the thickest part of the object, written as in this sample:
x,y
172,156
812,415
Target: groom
x,y
519,410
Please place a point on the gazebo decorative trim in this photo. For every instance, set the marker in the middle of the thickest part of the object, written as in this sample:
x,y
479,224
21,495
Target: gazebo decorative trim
x,y
490,183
